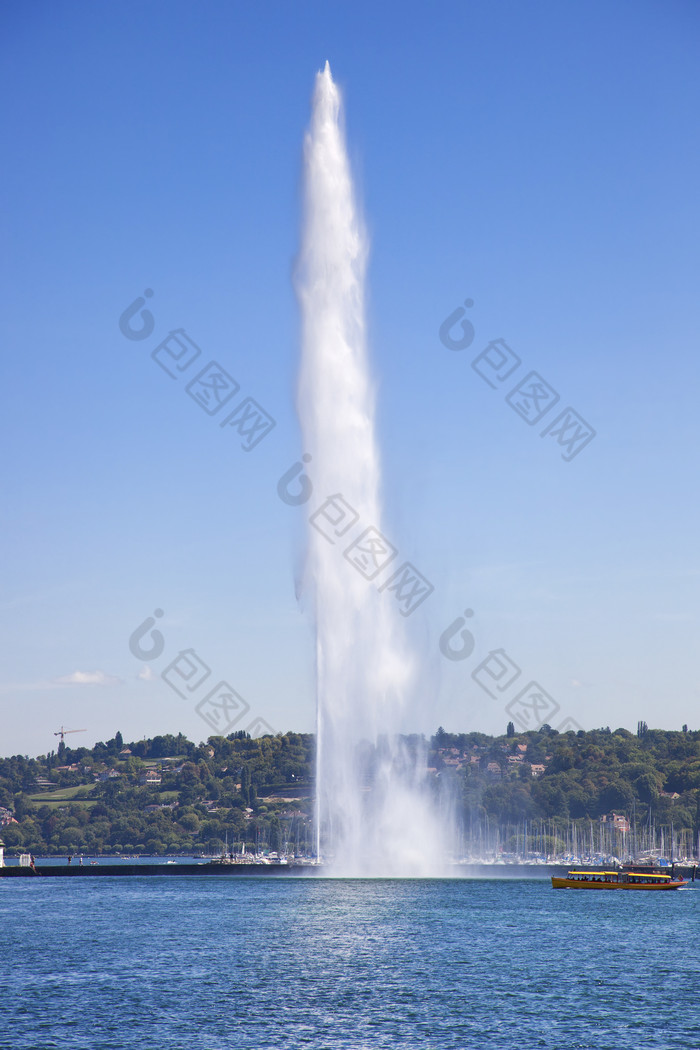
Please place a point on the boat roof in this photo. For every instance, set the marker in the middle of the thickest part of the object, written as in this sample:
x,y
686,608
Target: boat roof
x,y
576,872
646,875
639,874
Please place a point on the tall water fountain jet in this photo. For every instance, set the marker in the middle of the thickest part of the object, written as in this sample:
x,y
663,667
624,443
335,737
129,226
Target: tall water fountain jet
x,y
374,816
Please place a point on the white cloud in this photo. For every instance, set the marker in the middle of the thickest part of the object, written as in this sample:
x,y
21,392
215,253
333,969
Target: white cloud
x,y
146,674
87,678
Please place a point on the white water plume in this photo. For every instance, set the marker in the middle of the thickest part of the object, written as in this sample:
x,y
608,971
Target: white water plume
x,y
374,814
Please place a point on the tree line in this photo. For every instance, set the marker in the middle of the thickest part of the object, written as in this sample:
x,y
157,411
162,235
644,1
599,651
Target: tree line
x,y
257,794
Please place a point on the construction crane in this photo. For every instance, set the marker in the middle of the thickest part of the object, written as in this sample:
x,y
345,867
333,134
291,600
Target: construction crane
x,y
62,732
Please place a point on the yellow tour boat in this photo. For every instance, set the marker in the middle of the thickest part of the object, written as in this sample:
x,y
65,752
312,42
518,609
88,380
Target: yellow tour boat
x,y
617,880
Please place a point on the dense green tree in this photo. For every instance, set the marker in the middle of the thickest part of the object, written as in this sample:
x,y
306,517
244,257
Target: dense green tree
x,y
617,795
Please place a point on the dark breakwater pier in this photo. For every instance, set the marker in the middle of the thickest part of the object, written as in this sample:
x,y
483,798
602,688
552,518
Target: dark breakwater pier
x,y
162,869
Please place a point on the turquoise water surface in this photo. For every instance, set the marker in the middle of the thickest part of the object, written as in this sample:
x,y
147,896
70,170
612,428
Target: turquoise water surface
x,y
322,963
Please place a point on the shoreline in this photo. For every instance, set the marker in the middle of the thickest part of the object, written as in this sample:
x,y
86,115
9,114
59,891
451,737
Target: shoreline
x,y
217,870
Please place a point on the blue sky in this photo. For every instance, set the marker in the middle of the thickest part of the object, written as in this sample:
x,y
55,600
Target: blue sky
x,y
539,159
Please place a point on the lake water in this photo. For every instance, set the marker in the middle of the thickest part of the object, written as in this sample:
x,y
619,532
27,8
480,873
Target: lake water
x,y
325,964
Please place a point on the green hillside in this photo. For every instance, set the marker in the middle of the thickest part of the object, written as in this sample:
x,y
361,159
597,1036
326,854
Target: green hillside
x,y
532,791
